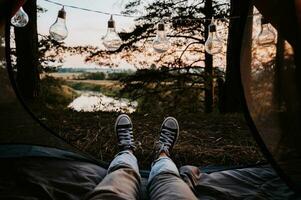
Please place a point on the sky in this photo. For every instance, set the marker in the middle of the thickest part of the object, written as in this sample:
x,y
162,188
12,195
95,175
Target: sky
x,y
85,28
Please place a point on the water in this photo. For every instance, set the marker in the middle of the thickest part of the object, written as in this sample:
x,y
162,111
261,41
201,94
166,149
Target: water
x,y
92,102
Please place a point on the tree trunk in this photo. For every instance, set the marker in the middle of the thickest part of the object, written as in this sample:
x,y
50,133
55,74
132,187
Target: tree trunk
x,y
278,77
233,87
26,39
208,63
246,60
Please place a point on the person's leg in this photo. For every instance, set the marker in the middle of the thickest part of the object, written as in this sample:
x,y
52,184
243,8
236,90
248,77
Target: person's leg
x,y
123,180
164,179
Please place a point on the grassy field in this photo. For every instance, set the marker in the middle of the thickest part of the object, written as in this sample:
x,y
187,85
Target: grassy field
x,y
63,75
107,87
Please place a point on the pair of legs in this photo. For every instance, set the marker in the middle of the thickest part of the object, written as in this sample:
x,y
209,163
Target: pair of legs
x,y
123,180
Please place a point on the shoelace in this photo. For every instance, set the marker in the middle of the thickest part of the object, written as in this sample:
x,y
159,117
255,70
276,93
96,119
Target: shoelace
x,y
126,138
166,140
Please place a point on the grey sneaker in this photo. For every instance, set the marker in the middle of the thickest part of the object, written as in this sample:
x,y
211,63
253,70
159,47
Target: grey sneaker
x,y
168,137
124,132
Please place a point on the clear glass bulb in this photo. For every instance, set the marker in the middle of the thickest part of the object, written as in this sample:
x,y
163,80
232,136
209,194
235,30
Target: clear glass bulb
x,y
58,31
161,43
213,44
111,40
20,19
266,35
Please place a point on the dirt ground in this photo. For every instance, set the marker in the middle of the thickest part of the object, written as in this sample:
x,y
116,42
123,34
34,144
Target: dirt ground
x,y
220,140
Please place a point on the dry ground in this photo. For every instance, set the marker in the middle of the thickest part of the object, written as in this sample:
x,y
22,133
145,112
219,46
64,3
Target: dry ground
x,y
204,139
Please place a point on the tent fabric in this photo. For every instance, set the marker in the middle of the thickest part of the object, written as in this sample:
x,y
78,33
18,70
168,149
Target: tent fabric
x,y
50,177
272,93
15,151
41,175
246,183
18,124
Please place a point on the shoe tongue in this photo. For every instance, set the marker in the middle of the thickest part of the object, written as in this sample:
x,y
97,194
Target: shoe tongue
x,y
170,124
124,126
160,147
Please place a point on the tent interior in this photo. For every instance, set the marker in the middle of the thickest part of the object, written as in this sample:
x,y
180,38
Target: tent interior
x,y
36,163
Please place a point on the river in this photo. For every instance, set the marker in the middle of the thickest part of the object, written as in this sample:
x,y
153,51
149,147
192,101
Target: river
x,y
94,101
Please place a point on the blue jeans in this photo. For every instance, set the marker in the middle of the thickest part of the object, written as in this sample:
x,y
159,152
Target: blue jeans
x,y
123,181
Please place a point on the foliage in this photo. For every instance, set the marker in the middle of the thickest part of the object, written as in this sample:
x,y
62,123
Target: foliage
x,y
168,90
92,76
83,86
185,26
117,76
54,92
52,53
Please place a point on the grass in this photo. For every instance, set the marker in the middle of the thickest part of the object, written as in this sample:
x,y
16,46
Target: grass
x,y
205,139
108,88
222,140
55,93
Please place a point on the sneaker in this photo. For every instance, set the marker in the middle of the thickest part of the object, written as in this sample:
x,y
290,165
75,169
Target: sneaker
x,y
168,136
124,132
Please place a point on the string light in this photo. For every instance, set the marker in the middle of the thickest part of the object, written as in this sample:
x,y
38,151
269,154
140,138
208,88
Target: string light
x,y
213,44
111,40
20,19
266,35
58,31
136,16
161,43
90,10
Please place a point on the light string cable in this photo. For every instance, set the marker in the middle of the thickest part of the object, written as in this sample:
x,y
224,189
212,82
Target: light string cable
x,y
89,10
136,16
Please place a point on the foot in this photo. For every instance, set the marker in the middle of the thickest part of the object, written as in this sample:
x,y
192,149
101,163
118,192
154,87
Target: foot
x,y
124,132
168,136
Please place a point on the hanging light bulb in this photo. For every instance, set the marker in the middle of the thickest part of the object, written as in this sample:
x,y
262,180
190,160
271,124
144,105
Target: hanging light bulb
x,y
20,19
161,43
111,40
266,35
213,44
58,31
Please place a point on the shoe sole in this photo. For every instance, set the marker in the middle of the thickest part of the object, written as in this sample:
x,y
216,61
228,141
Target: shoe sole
x,y
117,120
178,132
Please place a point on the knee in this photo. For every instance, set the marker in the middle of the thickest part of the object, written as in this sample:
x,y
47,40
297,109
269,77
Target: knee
x,y
191,175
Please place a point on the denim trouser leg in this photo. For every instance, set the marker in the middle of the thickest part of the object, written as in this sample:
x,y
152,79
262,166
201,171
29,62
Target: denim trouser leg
x,y
163,165
165,182
122,181
124,159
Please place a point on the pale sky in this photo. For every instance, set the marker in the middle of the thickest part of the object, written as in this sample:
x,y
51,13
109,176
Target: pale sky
x,y
85,28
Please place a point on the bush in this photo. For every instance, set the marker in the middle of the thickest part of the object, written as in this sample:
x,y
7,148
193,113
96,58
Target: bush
x,y
84,86
117,75
54,92
92,76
